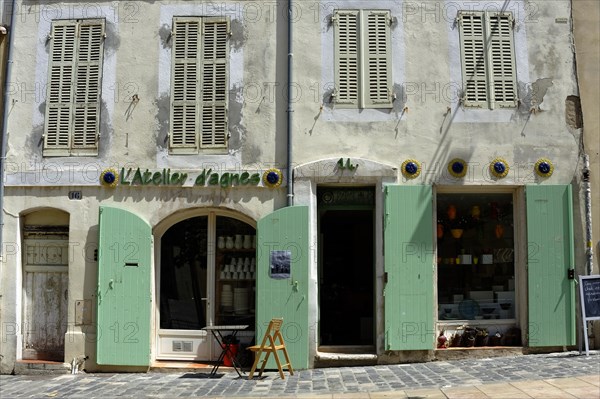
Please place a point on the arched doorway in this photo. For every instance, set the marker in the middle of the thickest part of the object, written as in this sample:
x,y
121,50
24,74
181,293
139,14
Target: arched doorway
x,y
203,278
45,284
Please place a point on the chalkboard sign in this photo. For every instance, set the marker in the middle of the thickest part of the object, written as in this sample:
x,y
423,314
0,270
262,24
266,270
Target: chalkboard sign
x,y
589,291
590,287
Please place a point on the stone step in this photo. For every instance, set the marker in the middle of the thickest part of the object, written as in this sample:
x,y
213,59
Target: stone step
x,y
41,367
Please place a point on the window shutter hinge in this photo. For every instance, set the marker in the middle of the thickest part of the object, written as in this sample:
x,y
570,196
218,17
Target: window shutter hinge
x,y
104,35
333,18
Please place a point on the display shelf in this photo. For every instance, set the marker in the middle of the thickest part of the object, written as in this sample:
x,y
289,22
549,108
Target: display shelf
x,y
235,296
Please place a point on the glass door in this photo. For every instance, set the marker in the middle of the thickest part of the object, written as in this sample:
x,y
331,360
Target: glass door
x,y
206,277
184,283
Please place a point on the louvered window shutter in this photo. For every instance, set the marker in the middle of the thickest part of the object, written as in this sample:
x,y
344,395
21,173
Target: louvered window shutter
x,y
214,96
185,86
59,100
74,88
474,59
88,84
502,72
377,60
346,58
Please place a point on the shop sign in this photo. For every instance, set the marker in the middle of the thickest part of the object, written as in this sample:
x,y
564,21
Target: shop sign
x,y
139,177
271,178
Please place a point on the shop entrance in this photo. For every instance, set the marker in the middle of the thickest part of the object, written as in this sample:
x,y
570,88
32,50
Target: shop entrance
x,y
346,266
206,277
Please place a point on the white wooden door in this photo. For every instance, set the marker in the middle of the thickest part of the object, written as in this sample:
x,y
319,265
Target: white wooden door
x,y
45,298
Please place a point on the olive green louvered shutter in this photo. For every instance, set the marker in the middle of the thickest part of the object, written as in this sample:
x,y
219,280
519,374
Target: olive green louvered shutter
x,y
214,97
502,73
377,80
88,84
474,59
185,81
59,100
346,58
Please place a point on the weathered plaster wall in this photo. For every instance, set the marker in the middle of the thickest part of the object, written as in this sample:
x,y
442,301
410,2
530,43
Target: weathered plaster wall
x,y
137,59
586,17
434,128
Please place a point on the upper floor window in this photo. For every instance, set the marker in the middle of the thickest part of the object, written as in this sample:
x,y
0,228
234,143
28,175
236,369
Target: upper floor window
x,y
363,67
488,59
199,84
72,125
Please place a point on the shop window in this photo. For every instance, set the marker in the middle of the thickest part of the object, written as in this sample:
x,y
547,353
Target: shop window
x,y
475,248
74,88
199,84
488,59
363,75
235,264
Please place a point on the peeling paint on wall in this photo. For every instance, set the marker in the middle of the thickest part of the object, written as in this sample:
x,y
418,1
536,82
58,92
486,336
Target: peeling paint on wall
x,y
237,130
162,104
573,114
539,88
238,36
164,33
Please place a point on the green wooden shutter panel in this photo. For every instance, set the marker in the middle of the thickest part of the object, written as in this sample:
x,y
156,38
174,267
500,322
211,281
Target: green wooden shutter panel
x,y
346,58
378,79
124,288
59,100
474,59
284,229
550,255
214,83
408,243
184,85
503,74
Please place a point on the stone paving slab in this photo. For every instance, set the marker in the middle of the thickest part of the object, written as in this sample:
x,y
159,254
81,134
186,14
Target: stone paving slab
x,y
564,375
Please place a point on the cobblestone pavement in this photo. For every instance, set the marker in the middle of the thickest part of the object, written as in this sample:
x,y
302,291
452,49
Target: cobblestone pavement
x,y
500,376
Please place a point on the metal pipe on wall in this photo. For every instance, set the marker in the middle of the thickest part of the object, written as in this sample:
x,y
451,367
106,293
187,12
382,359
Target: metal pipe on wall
x,y
588,215
290,109
3,140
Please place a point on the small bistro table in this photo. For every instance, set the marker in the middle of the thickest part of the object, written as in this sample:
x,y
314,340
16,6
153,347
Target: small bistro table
x,y
217,332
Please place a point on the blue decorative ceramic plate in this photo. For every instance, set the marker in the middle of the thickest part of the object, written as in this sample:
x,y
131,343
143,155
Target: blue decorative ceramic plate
x,y
468,309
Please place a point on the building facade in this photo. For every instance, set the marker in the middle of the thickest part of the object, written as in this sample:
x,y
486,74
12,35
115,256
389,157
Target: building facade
x,y
397,178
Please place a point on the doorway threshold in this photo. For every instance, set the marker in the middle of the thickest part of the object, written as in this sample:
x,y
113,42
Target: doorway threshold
x,y
36,366
176,366
342,356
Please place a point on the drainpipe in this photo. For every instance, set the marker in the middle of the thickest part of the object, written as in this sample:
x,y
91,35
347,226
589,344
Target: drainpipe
x,y
4,138
290,109
588,215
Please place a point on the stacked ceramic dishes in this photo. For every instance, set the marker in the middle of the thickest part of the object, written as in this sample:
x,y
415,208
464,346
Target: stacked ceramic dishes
x,y
240,300
227,298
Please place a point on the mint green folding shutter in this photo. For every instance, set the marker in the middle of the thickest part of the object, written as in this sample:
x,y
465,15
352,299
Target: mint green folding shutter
x,y
124,289
284,229
409,323
550,256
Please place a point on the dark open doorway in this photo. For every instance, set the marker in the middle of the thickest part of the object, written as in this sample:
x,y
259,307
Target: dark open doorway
x,y
346,282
